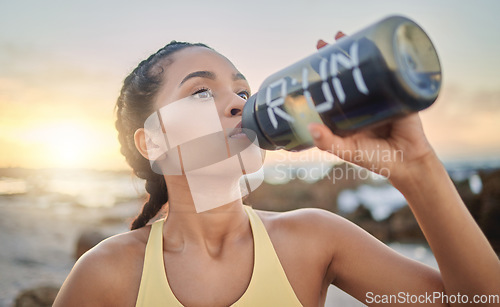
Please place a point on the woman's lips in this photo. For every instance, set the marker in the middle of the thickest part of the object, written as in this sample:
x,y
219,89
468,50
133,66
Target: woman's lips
x,y
237,132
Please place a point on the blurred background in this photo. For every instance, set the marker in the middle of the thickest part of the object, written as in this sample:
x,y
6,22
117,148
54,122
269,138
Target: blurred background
x,y
64,185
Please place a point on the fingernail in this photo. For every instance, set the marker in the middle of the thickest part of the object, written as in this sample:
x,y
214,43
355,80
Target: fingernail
x,y
315,133
321,43
339,34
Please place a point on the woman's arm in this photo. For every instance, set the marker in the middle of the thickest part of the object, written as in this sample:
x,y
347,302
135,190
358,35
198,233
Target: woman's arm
x,y
466,260
467,263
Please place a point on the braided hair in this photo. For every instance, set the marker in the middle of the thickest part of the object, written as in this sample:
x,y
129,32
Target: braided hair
x,y
134,105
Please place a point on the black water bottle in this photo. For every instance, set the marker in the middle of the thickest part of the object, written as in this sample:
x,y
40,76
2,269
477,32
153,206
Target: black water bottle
x,y
386,70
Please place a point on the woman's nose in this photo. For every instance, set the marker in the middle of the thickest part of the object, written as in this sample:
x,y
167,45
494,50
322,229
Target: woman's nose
x,y
235,107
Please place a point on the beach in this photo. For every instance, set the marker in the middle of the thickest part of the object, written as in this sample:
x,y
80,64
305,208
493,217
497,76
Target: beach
x,y
41,219
38,243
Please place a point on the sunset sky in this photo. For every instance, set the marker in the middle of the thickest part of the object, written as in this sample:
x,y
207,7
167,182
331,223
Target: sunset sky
x,y
62,64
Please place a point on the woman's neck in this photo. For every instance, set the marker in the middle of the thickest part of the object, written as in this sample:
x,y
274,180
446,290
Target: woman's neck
x,y
204,211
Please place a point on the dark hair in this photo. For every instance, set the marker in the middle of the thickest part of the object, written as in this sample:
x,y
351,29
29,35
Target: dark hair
x,y
135,104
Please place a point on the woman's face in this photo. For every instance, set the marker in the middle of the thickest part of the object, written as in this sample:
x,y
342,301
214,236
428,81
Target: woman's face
x,y
199,109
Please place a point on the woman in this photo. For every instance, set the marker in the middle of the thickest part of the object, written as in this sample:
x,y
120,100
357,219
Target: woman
x,y
232,254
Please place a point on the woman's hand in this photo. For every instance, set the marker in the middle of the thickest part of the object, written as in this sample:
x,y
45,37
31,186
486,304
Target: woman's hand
x,y
391,149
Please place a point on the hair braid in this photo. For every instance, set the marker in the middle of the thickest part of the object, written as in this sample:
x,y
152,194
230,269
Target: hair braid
x,y
158,196
133,106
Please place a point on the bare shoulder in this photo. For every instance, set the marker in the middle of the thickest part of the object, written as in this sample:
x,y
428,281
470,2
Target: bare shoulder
x,y
306,221
314,228
108,274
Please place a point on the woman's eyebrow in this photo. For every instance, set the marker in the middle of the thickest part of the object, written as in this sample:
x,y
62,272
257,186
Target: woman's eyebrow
x,y
209,75
239,76
201,74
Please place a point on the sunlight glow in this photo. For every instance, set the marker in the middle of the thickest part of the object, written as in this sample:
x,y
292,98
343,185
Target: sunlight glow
x,y
64,144
68,143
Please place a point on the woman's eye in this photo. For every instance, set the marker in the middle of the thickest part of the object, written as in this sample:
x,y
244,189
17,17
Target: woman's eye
x,y
245,95
203,94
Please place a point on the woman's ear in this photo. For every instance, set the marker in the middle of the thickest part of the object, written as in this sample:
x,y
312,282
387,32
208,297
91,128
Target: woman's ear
x,y
140,142
146,146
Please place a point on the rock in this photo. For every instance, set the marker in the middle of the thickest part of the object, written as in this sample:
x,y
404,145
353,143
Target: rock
x,y
470,199
37,297
302,194
404,227
86,241
379,230
364,219
360,214
489,211
485,207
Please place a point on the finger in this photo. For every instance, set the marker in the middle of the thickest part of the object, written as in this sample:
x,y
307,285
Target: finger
x,y
339,35
324,139
321,43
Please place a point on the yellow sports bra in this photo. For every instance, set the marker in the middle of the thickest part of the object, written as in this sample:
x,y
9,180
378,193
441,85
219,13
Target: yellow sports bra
x,y
268,285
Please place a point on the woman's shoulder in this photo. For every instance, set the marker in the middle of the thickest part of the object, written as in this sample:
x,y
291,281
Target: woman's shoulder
x,y
117,250
304,226
115,264
129,241
303,219
313,227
